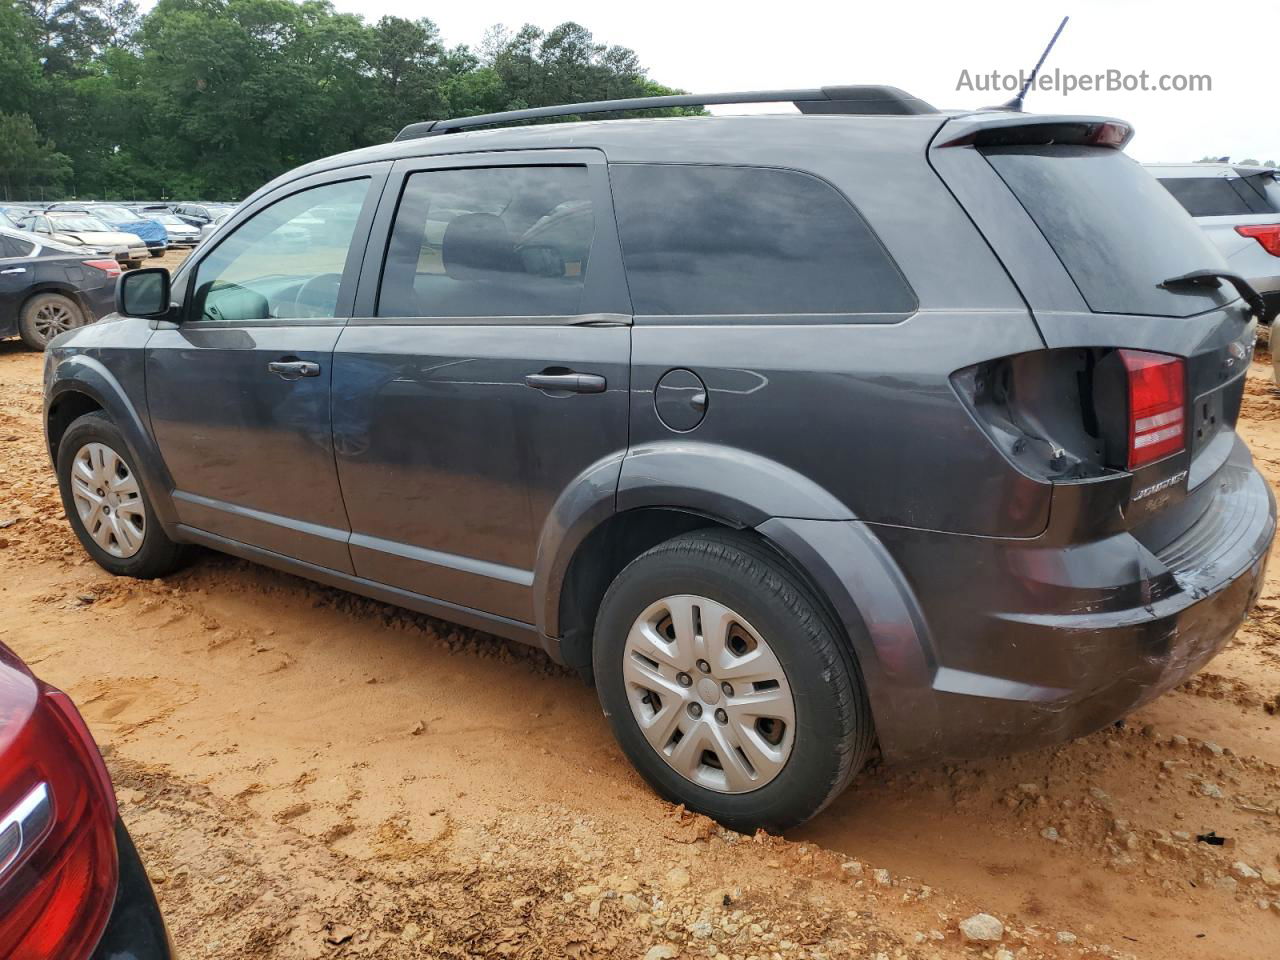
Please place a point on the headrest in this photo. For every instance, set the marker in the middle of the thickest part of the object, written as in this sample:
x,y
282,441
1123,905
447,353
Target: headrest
x,y
477,246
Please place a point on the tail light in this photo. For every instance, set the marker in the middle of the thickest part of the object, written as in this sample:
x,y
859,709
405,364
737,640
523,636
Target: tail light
x,y
1157,406
58,863
1266,234
110,267
1079,413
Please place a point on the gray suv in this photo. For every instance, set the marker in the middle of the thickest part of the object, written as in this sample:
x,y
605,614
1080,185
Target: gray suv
x,y
798,435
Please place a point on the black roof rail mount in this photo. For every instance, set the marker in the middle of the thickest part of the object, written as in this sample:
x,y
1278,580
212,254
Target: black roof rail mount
x,y
864,100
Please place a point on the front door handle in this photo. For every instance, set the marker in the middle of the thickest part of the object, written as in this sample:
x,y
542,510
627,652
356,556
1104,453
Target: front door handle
x,y
13,270
567,382
288,369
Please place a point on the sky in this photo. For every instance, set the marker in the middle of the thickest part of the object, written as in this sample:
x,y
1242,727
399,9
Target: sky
x,y
923,46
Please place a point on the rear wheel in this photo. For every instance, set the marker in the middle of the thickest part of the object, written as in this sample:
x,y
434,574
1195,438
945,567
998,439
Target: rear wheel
x,y
132,264
726,683
45,316
156,253
107,503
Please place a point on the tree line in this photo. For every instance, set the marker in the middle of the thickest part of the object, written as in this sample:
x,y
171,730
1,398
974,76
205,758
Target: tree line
x,y
212,98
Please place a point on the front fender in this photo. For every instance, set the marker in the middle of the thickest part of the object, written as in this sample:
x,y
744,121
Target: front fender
x,y
87,375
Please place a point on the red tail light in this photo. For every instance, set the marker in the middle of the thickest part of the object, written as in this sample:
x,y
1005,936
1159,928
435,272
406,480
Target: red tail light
x,y
110,267
1266,234
58,865
1157,406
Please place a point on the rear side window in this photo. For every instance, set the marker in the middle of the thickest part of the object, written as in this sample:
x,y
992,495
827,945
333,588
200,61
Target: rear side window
x,y
1266,186
13,247
719,240
489,242
1116,230
1215,196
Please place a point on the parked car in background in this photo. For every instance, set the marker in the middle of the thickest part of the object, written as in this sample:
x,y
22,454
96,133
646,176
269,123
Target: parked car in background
x,y
181,233
1239,208
87,232
48,288
152,233
198,214
72,886
738,445
208,229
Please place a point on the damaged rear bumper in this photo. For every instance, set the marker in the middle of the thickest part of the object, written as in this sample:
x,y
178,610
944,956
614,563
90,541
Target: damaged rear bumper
x,y
1025,645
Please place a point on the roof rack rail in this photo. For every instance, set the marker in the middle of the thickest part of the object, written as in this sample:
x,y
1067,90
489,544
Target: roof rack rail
x,y
865,100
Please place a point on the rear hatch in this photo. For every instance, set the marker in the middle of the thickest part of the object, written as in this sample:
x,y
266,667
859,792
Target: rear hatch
x,y
1091,240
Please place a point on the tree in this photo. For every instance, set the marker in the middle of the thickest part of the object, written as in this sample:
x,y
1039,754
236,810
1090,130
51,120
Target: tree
x,y
19,67
214,97
26,159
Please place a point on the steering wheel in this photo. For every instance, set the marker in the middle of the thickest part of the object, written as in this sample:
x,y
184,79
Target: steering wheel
x,y
318,296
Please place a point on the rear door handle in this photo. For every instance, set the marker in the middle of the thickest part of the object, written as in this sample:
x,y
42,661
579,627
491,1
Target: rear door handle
x,y
567,382
293,369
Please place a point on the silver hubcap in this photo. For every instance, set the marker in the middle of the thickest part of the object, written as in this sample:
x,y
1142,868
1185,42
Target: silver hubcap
x,y
52,319
108,500
709,694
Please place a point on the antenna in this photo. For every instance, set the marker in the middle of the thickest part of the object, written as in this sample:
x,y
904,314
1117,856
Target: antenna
x,y
1016,103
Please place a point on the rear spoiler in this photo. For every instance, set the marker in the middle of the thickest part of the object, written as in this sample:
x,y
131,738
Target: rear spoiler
x,y
1000,130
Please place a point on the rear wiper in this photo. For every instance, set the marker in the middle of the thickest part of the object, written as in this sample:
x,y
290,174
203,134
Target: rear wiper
x,y
1211,278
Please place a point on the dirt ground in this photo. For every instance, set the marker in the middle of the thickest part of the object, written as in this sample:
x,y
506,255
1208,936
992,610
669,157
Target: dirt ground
x,y
309,774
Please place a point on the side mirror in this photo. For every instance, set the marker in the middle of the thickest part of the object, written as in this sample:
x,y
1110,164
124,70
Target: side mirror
x,y
143,293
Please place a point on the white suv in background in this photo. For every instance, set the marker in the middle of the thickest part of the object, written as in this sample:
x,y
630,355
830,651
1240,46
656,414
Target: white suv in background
x,y
1239,208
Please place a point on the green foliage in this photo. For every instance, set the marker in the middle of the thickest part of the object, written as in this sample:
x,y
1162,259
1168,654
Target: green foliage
x,y
211,98
26,157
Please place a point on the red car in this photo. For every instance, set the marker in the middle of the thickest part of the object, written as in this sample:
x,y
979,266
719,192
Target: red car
x,y
71,884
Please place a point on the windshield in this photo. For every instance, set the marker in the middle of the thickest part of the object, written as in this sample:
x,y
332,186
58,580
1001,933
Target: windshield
x,y
116,213
83,224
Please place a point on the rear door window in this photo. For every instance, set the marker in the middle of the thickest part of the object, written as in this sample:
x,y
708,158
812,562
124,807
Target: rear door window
x,y
12,247
741,241
489,242
1117,231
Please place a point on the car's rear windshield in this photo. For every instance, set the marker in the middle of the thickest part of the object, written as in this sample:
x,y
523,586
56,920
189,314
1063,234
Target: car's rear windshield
x,y
1225,196
1116,230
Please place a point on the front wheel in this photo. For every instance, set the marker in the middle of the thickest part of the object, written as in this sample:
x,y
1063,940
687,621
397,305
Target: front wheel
x,y
727,684
107,504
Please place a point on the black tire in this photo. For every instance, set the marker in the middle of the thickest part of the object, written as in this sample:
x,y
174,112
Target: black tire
x,y
37,324
158,556
132,264
834,732
156,253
